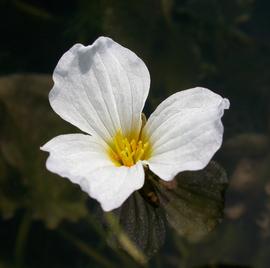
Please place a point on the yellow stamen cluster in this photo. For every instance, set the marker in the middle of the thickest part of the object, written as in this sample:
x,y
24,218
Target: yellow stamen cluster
x,y
127,152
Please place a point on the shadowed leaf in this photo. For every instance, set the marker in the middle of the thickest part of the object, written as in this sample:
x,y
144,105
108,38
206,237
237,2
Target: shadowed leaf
x,y
143,223
194,200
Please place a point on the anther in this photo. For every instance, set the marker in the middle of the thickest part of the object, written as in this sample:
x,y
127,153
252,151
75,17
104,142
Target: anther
x,y
127,152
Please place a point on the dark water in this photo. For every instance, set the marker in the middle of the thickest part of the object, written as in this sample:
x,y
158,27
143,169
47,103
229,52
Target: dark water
x,y
45,221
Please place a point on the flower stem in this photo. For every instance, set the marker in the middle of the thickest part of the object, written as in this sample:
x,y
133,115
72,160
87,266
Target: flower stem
x,y
20,244
86,249
124,258
126,243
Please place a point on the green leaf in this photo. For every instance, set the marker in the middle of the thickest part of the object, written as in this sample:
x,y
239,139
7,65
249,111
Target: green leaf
x,y
143,223
194,200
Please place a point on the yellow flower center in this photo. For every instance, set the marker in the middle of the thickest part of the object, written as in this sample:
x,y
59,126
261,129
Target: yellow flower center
x,y
126,152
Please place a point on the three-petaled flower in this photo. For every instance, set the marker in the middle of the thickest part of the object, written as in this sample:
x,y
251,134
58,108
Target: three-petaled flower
x,y
101,89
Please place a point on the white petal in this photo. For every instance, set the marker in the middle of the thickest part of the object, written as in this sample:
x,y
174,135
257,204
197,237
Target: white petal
x,y
83,160
111,186
100,88
75,156
185,131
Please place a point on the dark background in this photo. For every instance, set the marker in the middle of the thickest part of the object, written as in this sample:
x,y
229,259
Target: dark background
x,y
220,44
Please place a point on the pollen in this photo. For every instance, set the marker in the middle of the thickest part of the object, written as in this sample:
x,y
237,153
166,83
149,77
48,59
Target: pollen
x,y
126,152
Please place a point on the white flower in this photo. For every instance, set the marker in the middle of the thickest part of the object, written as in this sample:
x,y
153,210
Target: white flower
x,y
101,89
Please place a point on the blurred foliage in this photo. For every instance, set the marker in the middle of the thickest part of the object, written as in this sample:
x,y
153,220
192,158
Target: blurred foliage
x,y
48,222
27,124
